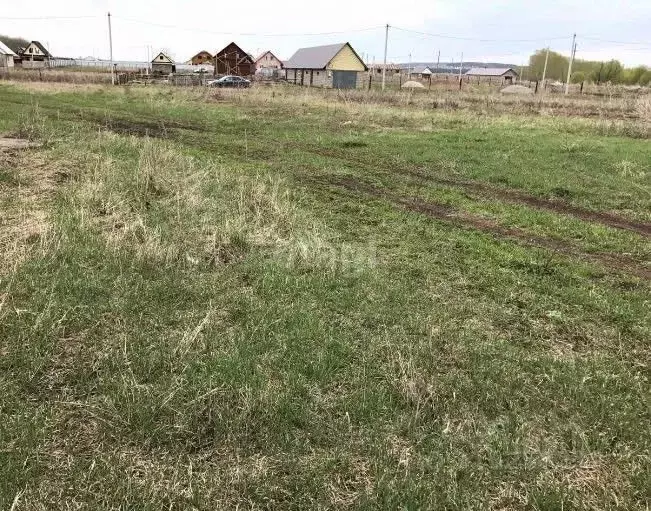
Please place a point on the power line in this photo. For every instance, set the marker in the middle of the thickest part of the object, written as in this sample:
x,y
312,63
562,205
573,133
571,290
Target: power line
x,y
480,40
32,18
253,34
613,42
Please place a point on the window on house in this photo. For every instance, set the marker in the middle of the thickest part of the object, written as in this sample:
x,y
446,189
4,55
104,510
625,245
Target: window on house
x,y
317,73
161,57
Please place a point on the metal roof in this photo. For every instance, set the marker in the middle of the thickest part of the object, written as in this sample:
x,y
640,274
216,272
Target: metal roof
x,y
489,71
422,70
5,50
316,57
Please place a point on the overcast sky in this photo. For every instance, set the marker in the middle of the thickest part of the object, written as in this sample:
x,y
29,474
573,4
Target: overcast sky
x,y
511,30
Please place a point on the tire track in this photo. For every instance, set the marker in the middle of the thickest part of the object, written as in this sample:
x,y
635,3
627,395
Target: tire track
x,y
488,191
463,220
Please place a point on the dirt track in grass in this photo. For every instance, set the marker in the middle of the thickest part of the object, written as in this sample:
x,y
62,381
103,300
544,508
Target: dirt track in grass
x,y
464,220
488,191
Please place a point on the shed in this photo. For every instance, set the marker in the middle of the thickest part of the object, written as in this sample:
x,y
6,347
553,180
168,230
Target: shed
x,y
503,74
233,60
203,57
162,64
6,56
334,65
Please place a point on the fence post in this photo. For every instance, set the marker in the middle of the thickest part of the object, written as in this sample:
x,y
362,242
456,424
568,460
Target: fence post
x,y
536,91
460,83
370,80
582,87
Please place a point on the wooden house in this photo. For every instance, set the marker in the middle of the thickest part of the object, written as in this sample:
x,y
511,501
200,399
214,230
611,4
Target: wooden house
x,y
202,58
34,55
334,65
162,64
233,60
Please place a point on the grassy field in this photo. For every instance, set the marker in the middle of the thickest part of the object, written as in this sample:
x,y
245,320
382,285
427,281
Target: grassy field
x,y
297,299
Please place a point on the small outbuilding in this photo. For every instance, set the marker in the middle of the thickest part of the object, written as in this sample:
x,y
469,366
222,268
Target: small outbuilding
x,y
335,65
162,64
233,60
7,56
493,74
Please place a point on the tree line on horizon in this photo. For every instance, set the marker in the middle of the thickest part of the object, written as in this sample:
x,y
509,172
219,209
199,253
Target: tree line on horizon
x,y
14,43
586,70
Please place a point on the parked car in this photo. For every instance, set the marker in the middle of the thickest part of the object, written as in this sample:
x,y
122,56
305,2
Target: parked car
x,y
229,81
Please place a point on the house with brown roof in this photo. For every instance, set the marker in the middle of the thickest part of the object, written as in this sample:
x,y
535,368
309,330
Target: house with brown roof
x,y
233,60
202,58
334,65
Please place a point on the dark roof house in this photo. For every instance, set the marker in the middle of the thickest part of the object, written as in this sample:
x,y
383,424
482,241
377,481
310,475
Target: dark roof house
x,y
333,65
233,60
35,51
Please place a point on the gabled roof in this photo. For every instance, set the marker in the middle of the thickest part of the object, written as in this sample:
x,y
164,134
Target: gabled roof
x,y
166,60
240,52
317,57
264,53
40,47
490,71
5,50
199,53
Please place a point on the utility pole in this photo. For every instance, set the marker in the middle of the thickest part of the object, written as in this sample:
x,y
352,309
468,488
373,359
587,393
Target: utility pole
x,y
438,60
409,68
111,50
460,66
569,69
384,68
545,69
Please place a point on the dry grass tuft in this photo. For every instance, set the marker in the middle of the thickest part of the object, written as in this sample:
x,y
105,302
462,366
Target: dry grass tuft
x,y
643,108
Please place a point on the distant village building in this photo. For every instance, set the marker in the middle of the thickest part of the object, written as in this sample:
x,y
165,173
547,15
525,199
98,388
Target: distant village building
x,y
493,74
203,57
35,55
334,65
233,60
268,64
376,69
6,57
162,64
422,72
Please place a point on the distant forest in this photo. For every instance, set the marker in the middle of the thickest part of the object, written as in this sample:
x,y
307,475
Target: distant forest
x,y
586,70
14,43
